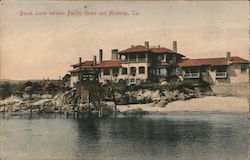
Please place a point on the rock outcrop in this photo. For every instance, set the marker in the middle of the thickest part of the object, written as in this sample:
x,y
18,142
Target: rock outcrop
x,y
68,102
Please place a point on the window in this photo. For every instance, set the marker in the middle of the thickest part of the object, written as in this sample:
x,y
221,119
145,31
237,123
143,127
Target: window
x,y
141,57
221,69
132,80
141,70
243,68
124,58
132,57
132,70
106,71
194,70
161,57
163,71
115,70
124,71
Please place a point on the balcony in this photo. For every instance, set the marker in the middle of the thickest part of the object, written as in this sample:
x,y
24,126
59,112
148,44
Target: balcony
x,y
141,59
221,75
192,75
124,60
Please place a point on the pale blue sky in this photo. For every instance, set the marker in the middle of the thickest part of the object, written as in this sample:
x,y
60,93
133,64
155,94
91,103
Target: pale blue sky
x,y
33,47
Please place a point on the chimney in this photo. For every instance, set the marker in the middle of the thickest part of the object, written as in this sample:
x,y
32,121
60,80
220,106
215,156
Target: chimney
x,y
132,46
114,53
228,56
100,56
175,46
94,60
80,60
147,44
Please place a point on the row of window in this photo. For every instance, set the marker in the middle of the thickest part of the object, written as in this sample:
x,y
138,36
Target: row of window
x,y
124,70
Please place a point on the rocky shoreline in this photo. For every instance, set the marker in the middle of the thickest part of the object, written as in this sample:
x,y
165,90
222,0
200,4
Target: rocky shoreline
x,y
51,105
64,102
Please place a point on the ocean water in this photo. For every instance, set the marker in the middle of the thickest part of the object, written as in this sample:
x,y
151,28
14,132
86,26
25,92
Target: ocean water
x,y
175,136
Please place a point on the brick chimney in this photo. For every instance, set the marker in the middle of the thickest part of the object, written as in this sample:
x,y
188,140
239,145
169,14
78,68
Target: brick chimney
x,y
114,53
175,46
100,56
146,44
94,60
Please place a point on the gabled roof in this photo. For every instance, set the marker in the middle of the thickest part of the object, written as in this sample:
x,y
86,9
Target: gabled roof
x,y
138,48
204,61
109,64
238,60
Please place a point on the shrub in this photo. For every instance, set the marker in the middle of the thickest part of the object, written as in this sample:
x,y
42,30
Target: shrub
x,y
5,90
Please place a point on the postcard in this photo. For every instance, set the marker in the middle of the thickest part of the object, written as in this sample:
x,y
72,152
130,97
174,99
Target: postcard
x,y
124,80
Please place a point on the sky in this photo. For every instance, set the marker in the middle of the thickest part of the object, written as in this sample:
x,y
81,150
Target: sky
x,y
42,46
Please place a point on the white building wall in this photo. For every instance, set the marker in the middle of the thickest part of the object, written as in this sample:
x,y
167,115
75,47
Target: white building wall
x,y
137,76
104,78
212,76
73,80
142,77
236,76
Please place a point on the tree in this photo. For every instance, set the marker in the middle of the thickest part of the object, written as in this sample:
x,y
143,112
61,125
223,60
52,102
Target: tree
x,y
5,90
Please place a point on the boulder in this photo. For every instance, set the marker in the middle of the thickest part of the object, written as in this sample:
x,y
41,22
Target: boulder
x,y
15,109
162,103
2,109
182,96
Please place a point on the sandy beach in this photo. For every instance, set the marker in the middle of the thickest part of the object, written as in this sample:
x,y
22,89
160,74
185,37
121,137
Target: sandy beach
x,y
205,104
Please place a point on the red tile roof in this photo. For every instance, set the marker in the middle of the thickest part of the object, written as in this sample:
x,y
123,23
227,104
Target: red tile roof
x,y
161,50
85,63
109,64
138,48
212,62
238,60
205,61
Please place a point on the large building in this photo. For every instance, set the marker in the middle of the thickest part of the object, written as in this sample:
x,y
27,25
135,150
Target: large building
x,y
216,70
140,64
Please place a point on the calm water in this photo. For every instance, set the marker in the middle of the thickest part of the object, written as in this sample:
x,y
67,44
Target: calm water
x,y
204,136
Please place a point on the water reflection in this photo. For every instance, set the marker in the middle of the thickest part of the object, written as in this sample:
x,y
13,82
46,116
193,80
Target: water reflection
x,y
178,136
147,138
